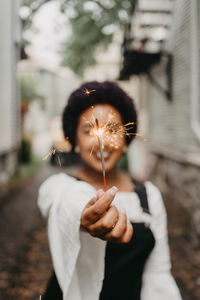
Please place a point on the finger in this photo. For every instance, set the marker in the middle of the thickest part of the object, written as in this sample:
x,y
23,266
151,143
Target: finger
x,y
119,229
128,234
100,193
95,211
91,202
105,223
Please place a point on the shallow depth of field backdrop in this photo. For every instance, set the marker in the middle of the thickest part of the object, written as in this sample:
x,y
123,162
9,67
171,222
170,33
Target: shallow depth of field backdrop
x,y
47,48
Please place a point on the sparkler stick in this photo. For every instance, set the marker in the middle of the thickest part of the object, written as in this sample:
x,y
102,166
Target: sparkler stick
x,y
102,156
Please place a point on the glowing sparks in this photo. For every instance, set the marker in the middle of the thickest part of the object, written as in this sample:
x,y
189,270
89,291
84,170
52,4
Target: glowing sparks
x,y
111,131
51,153
88,92
108,133
59,161
99,132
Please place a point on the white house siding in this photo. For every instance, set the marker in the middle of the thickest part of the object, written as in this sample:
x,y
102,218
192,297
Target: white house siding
x,y
172,138
9,101
53,87
170,127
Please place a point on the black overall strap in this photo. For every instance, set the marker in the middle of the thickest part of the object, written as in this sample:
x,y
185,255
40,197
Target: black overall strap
x,y
140,190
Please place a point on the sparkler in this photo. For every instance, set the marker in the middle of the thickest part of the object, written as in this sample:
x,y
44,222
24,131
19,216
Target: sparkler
x,y
112,131
53,152
98,133
88,92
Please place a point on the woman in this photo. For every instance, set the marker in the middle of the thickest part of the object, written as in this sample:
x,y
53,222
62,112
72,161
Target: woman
x,y
105,245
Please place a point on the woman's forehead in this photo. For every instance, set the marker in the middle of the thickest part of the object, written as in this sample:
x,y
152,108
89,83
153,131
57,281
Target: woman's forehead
x,y
102,112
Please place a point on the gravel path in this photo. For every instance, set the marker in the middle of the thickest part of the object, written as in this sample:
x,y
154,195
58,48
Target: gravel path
x,y
25,263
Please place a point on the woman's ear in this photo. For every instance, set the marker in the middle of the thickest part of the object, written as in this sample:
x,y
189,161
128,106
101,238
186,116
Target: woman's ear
x,y
77,149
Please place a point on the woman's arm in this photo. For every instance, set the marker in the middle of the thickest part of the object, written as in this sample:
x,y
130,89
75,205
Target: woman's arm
x,y
158,282
62,199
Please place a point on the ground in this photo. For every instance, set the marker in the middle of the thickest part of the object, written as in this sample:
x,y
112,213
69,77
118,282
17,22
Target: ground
x,y
25,263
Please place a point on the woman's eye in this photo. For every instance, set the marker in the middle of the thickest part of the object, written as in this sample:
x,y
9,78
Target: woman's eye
x,y
87,132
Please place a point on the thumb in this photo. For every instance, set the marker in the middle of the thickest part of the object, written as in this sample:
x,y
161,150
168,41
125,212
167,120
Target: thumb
x,y
100,193
91,202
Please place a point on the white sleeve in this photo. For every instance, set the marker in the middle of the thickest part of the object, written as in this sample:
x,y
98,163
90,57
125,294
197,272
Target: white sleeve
x,y
157,281
62,199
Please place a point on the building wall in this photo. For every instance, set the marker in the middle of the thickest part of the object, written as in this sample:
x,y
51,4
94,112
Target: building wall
x,y
53,87
9,100
179,183
170,123
107,65
173,143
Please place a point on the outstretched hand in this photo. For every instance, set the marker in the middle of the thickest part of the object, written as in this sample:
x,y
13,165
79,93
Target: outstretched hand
x,y
105,221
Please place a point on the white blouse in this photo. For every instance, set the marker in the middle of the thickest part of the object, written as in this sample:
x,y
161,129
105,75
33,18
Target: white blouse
x,y
78,258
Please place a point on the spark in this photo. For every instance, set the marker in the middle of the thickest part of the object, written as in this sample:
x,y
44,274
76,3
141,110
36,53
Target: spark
x,y
110,131
88,92
51,153
59,161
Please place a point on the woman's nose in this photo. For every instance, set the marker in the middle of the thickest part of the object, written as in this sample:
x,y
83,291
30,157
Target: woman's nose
x,y
107,143
111,142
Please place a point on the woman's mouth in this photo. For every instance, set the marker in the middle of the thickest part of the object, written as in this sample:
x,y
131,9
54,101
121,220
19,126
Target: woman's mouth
x,y
106,155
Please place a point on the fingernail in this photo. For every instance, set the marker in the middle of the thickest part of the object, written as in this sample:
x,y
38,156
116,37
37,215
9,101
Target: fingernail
x,y
123,210
113,190
99,191
128,222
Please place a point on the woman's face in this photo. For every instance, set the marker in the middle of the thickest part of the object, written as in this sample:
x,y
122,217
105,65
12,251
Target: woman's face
x,y
110,131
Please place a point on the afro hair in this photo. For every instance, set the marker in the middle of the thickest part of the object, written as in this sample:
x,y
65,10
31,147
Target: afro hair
x,y
94,92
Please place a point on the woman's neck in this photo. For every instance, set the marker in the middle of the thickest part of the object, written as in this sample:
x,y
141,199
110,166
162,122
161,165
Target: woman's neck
x,y
90,174
113,177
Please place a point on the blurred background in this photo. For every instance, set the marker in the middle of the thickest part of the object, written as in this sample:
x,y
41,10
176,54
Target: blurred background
x,y
151,48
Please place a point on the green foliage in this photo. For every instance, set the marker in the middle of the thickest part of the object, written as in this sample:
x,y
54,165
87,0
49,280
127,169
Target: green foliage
x,y
27,89
93,24
123,163
78,51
